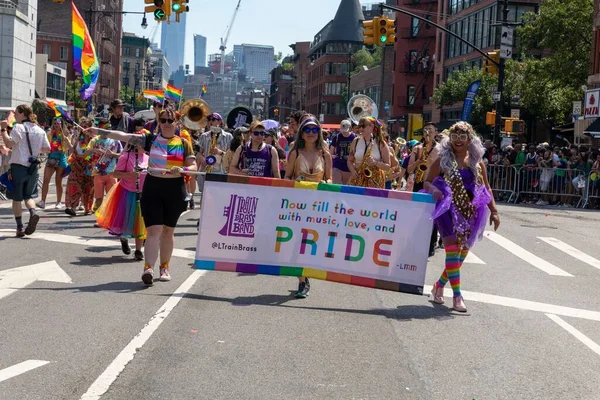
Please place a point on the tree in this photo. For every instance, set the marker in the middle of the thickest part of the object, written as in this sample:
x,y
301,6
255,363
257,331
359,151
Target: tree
x,y
364,57
44,114
125,94
277,58
287,66
73,95
549,85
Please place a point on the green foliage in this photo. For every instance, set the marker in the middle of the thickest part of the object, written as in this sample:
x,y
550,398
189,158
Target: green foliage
x,y
287,66
367,58
278,57
44,114
73,95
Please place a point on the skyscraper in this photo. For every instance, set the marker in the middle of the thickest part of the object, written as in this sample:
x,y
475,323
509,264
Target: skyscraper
x,y
172,42
199,51
257,61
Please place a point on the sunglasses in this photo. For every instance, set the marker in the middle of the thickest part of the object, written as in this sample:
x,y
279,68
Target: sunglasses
x,y
212,119
314,130
166,121
258,133
455,137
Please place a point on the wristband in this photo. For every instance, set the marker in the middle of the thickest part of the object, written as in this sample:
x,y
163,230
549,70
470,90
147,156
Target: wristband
x,y
185,169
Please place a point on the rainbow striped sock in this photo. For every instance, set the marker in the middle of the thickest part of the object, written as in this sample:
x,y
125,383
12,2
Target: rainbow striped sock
x,y
463,254
452,263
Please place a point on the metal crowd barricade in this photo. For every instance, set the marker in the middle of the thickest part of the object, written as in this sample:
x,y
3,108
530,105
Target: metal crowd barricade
x,y
592,192
550,184
503,181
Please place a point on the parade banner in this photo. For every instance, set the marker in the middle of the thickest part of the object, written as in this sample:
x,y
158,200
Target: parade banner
x,y
359,236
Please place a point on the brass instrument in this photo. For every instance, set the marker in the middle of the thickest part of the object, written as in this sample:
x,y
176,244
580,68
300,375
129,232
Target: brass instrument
x,y
194,113
211,160
421,167
372,177
361,106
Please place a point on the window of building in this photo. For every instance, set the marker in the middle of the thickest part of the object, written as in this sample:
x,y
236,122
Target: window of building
x,y
414,32
125,66
64,53
126,51
424,92
138,52
410,95
46,49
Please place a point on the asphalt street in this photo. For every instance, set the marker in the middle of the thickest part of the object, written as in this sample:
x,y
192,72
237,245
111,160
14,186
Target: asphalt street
x,y
532,330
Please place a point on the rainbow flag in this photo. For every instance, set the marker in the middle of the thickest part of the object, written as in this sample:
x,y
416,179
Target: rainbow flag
x,y
59,111
84,55
10,120
171,92
154,95
203,91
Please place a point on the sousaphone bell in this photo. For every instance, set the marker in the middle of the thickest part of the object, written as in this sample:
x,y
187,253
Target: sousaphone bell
x,y
194,113
361,106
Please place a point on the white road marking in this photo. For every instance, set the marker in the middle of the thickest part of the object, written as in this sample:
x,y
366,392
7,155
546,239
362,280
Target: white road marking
x,y
572,251
573,331
112,372
525,255
473,259
521,304
8,203
14,279
20,368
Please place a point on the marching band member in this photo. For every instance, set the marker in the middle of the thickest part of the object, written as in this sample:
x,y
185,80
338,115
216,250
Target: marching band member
x,y
80,184
459,184
163,194
240,137
340,150
57,162
369,155
256,158
214,143
308,161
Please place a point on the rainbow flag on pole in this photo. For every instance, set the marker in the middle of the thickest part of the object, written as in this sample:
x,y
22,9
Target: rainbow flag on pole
x,y
59,111
203,91
10,120
154,95
84,55
171,92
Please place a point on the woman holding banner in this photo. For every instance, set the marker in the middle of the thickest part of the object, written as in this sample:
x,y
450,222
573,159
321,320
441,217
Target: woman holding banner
x,y
256,158
309,161
459,184
164,192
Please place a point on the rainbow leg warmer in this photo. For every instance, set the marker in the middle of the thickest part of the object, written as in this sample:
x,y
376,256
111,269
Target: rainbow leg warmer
x,y
453,263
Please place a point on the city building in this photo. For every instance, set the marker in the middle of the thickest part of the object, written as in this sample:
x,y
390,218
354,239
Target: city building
x,y
369,82
104,21
587,128
221,95
161,70
238,57
17,55
133,62
330,55
414,62
477,22
172,42
280,96
50,81
192,87
257,61
199,51
300,61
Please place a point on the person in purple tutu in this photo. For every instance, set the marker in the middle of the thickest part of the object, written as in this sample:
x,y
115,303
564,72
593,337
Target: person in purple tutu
x,y
459,184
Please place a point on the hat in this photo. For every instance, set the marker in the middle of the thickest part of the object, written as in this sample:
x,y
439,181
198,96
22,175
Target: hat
x,y
216,116
412,143
345,124
255,124
116,103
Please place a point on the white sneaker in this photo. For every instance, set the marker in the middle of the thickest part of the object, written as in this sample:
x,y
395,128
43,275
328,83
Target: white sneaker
x,y
41,204
58,206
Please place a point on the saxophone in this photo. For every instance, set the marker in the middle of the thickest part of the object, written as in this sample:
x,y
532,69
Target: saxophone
x,y
211,160
421,166
372,177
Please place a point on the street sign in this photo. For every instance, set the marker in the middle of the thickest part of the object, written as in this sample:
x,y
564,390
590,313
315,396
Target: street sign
x,y
592,109
506,37
159,14
515,113
496,96
576,109
506,51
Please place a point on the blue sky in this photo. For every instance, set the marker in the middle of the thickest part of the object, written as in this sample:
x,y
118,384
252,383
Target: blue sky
x,y
271,22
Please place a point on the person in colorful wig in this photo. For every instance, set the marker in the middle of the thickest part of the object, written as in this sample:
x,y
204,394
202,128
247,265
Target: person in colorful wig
x,y
80,184
310,161
56,162
120,212
458,182
164,193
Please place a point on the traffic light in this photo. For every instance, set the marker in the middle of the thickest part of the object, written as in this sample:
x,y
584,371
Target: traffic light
x,y
176,5
276,111
490,118
488,66
179,7
387,31
369,32
514,126
157,9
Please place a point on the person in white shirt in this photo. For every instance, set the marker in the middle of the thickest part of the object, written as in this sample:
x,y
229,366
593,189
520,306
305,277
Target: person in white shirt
x,y
27,140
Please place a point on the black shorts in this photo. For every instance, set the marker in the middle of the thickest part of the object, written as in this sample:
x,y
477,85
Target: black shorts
x,y
163,200
25,185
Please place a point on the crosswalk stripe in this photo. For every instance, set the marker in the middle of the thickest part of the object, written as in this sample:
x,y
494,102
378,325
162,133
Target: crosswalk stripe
x,y
525,255
572,251
473,259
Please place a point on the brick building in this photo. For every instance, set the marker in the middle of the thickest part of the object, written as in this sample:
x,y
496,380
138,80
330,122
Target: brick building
x,y
414,59
105,25
368,82
330,54
280,96
300,61
133,62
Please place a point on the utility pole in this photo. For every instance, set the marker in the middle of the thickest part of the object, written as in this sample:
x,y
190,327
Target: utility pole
x,y
501,67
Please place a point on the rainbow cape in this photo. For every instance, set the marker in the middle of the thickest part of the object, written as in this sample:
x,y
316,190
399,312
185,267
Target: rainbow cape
x,y
171,92
85,61
154,95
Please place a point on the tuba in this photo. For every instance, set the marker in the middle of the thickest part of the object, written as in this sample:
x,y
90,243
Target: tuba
x,y
194,113
361,106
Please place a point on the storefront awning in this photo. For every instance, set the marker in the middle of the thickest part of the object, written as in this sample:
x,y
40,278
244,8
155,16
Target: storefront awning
x,y
593,130
330,126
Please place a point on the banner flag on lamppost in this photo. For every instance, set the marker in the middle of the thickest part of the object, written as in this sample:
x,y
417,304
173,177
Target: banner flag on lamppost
x,y
469,99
